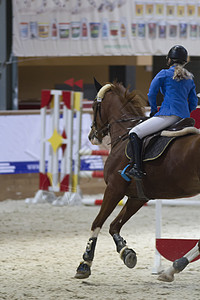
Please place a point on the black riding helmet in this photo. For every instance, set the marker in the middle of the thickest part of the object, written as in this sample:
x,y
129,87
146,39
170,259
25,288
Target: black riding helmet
x,y
178,54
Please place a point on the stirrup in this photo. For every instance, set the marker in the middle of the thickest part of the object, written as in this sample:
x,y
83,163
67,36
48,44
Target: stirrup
x,y
123,173
135,173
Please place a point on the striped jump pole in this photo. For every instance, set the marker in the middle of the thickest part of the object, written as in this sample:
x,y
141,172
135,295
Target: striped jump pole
x,y
93,152
88,201
43,178
77,106
55,142
91,174
73,196
66,162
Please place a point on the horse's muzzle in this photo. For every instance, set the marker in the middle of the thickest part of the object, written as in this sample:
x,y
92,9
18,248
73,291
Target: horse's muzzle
x,y
94,141
94,137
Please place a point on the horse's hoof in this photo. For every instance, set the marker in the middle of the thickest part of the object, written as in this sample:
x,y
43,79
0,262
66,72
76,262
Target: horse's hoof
x,y
166,277
83,271
129,257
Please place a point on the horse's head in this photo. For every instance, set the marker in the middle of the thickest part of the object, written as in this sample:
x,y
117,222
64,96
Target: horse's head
x,y
110,109
99,127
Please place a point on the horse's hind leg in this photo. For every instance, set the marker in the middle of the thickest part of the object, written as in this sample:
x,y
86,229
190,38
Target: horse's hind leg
x,y
180,264
130,208
111,199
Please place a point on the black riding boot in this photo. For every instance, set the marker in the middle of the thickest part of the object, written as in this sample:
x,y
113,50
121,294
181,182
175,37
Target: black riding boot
x,y
136,149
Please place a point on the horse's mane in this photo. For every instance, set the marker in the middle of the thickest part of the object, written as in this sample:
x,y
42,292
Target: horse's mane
x,y
133,101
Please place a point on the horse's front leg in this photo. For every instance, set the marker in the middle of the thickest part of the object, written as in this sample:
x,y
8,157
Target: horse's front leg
x,y
126,254
180,264
84,269
110,201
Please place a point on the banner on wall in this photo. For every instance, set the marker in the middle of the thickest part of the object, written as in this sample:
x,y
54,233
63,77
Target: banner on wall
x,y
20,137
104,27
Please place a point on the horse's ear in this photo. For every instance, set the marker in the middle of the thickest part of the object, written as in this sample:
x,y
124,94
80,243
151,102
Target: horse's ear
x,y
98,86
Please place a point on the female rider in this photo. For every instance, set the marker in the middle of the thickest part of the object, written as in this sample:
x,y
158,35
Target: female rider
x,y
178,88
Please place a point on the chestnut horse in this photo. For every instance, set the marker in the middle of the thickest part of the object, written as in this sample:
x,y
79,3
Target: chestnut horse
x,y
175,174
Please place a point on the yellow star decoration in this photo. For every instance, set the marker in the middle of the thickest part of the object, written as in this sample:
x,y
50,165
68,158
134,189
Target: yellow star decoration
x,y
55,140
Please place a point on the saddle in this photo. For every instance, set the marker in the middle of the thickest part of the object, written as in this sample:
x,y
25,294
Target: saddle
x,y
154,145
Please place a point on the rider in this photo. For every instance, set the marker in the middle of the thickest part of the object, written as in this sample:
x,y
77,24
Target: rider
x,y
178,88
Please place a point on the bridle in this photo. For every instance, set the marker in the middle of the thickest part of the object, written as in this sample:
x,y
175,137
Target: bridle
x,y
105,128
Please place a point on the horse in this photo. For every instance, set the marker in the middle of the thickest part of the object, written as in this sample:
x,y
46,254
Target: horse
x,y
174,174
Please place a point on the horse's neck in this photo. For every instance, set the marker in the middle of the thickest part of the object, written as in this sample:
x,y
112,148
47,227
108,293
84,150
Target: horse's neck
x,y
116,110
119,129
119,117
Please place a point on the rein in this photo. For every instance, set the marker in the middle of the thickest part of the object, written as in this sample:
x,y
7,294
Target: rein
x,y
133,119
126,135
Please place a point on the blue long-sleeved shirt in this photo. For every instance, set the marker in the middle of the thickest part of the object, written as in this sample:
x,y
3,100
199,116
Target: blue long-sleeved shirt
x,y
179,96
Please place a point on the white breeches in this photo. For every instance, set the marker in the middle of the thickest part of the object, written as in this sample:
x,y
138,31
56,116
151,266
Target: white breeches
x,y
153,125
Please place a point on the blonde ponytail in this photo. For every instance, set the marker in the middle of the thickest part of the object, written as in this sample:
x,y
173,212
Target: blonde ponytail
x,y
181,73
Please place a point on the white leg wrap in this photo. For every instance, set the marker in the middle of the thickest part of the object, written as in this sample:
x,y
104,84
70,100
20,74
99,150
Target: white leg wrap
x,y
95,233
193,253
